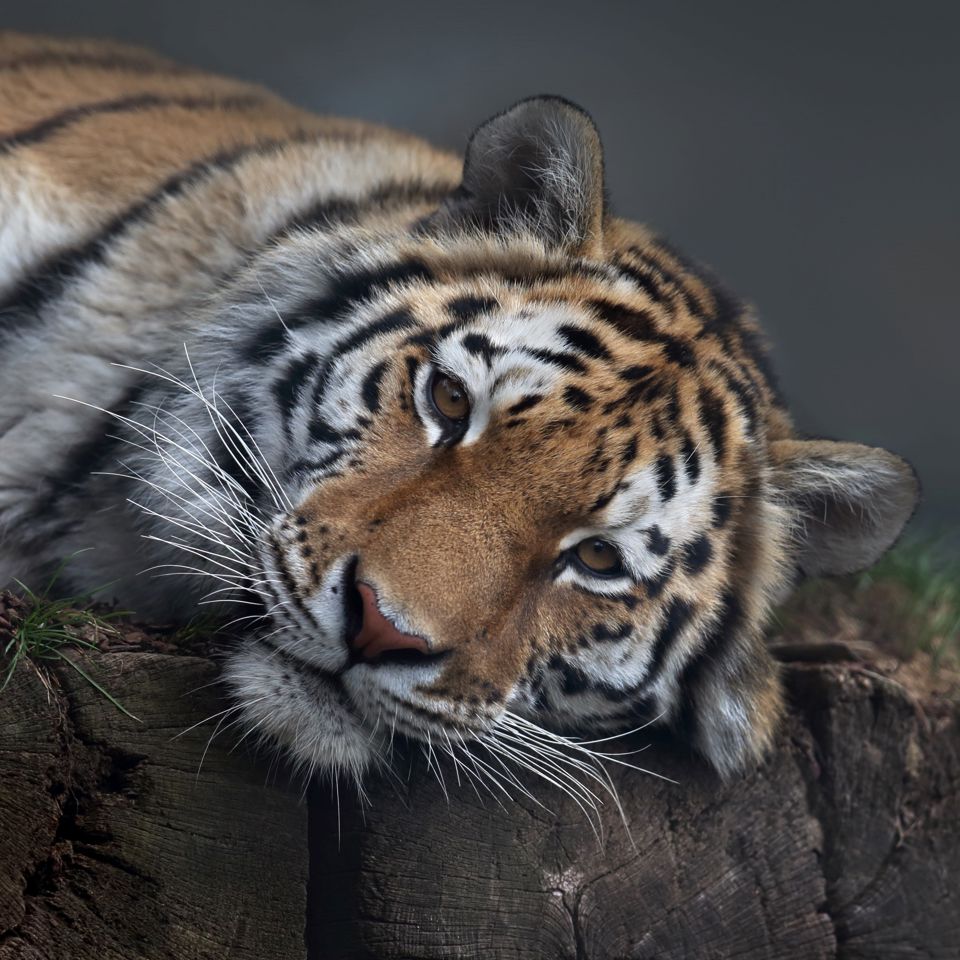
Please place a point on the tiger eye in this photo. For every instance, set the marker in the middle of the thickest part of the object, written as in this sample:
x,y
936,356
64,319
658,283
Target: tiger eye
x,y
599,556
450,397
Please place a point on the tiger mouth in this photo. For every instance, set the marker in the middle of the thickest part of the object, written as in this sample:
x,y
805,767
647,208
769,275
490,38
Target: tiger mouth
x,y
332,677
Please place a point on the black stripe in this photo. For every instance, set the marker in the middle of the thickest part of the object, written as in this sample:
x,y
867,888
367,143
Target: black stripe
x,y
131,63
583,341
605,498
636,324
744,398
691,458
657,541
516,274
644,280
468,308
726,315
676,618
567,361
697,554
666,476
671,407
286,389
722,508
351,288
640,325
313,466
604,634
635,373
574,679
322,432
599,451
337,210
268,343
346,291
654,274
227,451
577,398
145,101
479,345
678,351
393,322
544,274
370,391
715,420
712,650
642,391
629,452
52,277
413,364
524,404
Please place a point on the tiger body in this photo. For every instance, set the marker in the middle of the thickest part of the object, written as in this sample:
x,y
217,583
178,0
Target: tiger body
x,y
222,319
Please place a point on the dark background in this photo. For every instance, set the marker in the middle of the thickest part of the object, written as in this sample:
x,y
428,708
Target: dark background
x,y
809,152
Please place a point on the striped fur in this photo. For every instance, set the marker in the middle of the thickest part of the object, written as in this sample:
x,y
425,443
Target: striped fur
x,y
219,316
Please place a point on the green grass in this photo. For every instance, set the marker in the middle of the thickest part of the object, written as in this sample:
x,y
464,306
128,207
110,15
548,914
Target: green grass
x,y
50,627
908,602
198,630
928,577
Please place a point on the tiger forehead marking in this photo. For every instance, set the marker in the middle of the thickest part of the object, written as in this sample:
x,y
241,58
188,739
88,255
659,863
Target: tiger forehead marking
x,y
481,460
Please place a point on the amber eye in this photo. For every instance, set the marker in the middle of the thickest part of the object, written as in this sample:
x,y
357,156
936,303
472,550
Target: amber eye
x,y
449,397
599,557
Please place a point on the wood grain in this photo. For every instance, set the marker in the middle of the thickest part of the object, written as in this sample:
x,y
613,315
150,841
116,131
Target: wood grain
x,y
844,844
117,845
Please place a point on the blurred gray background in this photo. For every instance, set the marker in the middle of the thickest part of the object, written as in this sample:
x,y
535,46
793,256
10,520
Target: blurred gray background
x,y
809,152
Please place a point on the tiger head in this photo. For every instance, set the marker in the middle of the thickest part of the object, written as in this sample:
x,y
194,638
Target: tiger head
x,y
520,459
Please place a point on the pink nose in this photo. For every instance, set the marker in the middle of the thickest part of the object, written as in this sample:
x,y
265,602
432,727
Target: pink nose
x,y
378,635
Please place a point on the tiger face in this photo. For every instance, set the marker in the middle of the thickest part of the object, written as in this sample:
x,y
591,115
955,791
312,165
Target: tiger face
x,y
517,458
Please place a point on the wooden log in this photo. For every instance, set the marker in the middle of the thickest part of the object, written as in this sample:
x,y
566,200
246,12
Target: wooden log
x,y
115,844
844,844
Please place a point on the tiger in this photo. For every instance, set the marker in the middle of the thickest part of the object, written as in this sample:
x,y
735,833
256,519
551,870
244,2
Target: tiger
x,y
471,455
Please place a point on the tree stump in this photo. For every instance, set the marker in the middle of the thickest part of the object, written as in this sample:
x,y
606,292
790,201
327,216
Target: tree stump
x,y
112,845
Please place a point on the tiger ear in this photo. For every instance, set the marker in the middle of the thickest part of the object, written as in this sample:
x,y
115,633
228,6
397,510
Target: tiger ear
x,y
849,502
537,167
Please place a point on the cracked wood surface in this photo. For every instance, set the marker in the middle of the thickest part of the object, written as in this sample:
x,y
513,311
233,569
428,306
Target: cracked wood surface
x,y
844,844
112,847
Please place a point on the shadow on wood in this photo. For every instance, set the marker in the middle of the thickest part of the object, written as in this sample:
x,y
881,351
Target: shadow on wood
x,y
844,844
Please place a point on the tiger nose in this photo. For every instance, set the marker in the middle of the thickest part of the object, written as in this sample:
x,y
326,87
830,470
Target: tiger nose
x,y
377,635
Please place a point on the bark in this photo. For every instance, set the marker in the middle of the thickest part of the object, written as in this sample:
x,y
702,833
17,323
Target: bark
x,y
116,845
844,844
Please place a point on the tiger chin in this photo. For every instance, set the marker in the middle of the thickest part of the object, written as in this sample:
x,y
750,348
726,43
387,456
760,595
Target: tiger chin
x,y
477,458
